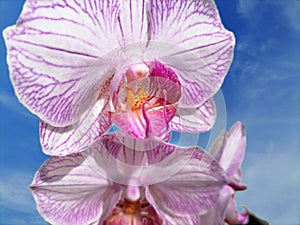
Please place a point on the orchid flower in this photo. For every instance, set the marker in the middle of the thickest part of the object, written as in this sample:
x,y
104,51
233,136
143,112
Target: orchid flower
x,y
74,189
229,149
147,66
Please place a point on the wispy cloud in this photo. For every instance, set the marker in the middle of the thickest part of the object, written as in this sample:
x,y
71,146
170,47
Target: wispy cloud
x,y
9,101
16,201
246,8
252,11
292,9
14,192
266,64
273,179
30,220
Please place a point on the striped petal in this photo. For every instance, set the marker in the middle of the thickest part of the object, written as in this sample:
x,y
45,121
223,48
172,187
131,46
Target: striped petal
x,y
176,220
69,190
60,53
200,119
55,56
188,36
132,26
138,163
191,191
216,214
61,141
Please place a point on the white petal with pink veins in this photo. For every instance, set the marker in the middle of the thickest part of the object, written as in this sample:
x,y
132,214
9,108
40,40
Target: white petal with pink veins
x,y
191,191
60,141
229,150
198,119
197,47
69,190
60,52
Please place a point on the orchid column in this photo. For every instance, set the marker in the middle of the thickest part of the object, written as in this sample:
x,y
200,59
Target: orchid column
x,y
148,67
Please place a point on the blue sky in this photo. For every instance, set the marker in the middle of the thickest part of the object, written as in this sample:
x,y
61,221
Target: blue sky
x,y
261,90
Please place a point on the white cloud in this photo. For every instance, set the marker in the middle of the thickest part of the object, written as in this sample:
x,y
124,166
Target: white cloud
x,y
245,7
15,193
252,10
265,66
11,102
273,179
292,11
31,221
16,201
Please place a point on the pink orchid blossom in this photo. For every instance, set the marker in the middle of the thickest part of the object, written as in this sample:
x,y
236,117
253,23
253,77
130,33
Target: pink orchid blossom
x,y
229,149
72,189
147,66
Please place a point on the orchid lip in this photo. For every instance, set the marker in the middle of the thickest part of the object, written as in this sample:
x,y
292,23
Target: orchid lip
x,y
133,212
146,100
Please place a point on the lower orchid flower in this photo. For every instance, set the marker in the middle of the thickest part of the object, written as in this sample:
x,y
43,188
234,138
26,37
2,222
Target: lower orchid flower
x,y
148,66
80,189
228,150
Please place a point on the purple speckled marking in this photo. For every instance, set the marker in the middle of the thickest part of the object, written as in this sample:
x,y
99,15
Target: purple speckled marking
x,y
160,70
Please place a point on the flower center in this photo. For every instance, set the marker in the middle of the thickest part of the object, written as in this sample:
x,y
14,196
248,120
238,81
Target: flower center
x,y
135,100
131,207
133,213
146,100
